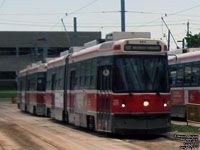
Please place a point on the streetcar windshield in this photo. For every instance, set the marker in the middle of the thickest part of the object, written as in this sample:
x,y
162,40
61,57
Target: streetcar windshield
x,y
41,81
141,74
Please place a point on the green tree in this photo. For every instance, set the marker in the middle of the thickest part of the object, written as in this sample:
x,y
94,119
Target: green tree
x,y
193,40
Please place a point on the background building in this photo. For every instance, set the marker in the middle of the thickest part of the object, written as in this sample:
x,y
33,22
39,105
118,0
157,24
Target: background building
x,y
19,49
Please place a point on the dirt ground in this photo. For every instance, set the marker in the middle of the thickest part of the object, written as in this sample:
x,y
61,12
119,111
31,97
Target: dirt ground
x,y
22,131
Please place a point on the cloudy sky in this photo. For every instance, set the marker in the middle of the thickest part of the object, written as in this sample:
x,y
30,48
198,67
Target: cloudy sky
x,y
102,15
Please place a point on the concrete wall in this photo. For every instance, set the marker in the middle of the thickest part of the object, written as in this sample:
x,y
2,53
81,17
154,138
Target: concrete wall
x,y
10,63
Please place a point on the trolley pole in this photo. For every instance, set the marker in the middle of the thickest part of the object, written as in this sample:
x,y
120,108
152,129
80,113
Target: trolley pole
x,y
169,34
75,32
123,26
17,58
67,35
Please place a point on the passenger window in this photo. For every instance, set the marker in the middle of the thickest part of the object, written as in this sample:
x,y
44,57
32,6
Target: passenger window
x,y
82,75
173,74
187,74
87,74
73,80
179,77
195,75
93,74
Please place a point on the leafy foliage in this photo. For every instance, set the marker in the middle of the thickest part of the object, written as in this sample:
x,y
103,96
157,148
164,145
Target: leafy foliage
x,y
193,40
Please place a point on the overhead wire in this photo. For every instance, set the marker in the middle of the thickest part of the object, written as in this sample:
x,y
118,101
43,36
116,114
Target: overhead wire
x,y
77,11
184,10
83,7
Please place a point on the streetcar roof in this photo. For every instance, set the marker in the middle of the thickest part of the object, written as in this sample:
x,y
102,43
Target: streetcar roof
x,y
36,68
184,57
115,47
22,72
56,62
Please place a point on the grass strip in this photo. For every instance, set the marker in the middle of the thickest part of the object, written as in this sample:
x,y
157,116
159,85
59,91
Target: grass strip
x,y
8,95
185,128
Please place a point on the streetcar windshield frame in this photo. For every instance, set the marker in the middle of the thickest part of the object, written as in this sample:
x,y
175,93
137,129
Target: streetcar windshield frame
x,y
141,74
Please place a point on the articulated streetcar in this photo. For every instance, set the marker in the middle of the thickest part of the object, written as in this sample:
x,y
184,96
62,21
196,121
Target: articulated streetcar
x,y
32,85
116,86
185,82
56,88
21,87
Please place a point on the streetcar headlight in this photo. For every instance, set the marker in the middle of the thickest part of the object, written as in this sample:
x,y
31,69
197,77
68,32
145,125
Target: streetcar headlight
x,y
146,103
165,104
123,105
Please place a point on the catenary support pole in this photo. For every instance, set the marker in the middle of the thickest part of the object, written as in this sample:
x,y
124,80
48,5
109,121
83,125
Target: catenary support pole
x,y
75,32
123,25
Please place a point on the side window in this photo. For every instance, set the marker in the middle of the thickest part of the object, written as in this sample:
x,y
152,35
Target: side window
x,y
20,85
24,83
73,79
58,79
82,75
48,80
53,81
195,75
187,74
61,79
173,74
87,73
179,77
93,74
77,75
35,82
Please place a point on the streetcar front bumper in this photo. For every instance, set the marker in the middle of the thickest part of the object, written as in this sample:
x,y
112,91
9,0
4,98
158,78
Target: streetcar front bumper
x,y
141,123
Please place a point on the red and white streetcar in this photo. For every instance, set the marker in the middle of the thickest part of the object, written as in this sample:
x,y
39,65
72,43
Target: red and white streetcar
x,y
117,86
21,86
33,84
185,82
120,87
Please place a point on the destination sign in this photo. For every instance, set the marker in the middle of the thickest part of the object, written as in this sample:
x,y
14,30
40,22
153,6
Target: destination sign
x,y
139,47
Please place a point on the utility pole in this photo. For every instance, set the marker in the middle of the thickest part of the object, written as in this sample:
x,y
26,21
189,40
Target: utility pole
x,y
36,47
123,25
45,49
183,43
17,58
75,32
188,28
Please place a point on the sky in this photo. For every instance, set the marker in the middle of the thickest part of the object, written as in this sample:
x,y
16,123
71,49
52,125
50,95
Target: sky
x,y
103,15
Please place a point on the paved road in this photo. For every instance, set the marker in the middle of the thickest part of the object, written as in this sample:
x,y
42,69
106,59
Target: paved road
x,y
5,100
22,131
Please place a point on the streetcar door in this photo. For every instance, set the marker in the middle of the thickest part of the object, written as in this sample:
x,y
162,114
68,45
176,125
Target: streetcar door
x,y
53,87
104,87
73,82
65,76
